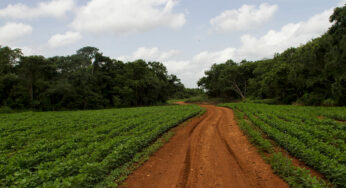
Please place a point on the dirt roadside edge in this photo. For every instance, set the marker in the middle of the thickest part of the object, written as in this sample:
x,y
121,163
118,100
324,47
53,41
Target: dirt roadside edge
x,y
117,177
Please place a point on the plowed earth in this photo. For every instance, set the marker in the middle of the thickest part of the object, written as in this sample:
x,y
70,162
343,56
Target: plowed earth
x,y
210,151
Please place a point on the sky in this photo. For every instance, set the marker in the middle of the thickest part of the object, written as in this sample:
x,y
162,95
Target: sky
x,y
187,36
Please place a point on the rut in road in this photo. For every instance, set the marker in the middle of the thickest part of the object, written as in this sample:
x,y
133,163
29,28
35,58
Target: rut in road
x,y
210,151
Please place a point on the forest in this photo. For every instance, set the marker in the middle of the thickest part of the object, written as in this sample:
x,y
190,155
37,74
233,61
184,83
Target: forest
x,y
88,120
312,74
85,80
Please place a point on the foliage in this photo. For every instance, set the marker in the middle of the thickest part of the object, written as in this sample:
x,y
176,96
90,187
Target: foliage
x,y
85,80
184,93
282,165
78,148
199,98
262,101
206,99
254,135
117,176
5,109
294,176
319,142
312,74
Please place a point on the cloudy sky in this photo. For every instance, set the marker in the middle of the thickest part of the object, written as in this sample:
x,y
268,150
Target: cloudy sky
x,y
188,36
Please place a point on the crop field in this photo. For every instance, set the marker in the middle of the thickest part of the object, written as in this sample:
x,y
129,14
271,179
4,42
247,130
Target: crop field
x,y
314,135
78,148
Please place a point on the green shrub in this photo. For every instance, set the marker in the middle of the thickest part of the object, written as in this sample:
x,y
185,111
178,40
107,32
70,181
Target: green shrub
x,y
262,101
312,99
199,98
329,102
5,109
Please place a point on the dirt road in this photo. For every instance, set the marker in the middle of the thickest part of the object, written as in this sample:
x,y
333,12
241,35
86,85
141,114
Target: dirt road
x,y
210,151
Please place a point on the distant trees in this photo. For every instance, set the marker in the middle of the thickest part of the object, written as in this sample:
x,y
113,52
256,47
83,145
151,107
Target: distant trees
x,y
313,74
85,80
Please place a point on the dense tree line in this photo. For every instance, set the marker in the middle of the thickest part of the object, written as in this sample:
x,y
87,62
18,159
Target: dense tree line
x,y
184,93
312,74
85,80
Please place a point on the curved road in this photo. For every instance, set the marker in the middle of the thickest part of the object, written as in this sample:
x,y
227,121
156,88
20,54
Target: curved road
x,y
209,151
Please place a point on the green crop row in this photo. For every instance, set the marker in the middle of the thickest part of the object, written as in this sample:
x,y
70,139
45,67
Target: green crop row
x,y
309,140
78,148
282,165
326,133
302,140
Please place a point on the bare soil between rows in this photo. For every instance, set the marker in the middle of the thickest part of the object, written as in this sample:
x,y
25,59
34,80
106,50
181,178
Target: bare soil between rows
x,y
209,151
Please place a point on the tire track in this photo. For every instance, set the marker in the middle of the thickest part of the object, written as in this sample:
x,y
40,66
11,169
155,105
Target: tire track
x,y
229,149
210,151
187,167
196,125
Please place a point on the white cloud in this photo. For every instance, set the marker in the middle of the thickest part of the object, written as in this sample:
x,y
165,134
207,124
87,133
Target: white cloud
x,y
290,35
127,16
168,58
177,67
195,68
59,40
35,49
189,71
341,3
246,17
27,51
11,32
252,48
150,54
54,8
207,58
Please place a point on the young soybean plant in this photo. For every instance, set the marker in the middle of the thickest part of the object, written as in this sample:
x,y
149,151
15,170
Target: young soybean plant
x,y
79,148
314,135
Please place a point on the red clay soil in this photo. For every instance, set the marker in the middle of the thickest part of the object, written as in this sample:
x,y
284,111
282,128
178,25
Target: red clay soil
x,y
210,151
